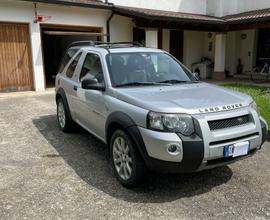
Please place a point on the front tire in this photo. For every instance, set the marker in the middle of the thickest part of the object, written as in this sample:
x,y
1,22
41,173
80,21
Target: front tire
x,y
64,121
127,163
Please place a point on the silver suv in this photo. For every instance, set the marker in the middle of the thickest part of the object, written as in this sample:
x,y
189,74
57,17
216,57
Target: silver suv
x,y
152,112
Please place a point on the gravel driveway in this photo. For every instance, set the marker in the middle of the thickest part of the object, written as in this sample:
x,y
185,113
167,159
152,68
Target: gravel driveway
x,y
46,174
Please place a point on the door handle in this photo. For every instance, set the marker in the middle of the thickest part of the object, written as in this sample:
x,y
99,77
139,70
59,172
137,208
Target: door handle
x,y
75,88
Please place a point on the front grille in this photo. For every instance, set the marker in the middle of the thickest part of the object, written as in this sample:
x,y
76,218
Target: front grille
x,y
225,142
228,123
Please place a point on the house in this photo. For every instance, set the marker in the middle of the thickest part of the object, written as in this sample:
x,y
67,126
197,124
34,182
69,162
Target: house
x,y
35,33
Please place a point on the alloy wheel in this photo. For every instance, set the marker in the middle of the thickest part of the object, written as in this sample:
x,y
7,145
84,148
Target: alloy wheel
x,y
61,114
122,158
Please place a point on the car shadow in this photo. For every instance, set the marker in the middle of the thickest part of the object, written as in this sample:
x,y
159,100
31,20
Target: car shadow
x,y
88,157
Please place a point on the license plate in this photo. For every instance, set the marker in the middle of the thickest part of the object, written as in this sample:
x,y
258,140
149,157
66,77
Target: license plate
x,y
236,150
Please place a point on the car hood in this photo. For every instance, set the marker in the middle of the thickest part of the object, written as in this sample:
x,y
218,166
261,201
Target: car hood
x,y
184,98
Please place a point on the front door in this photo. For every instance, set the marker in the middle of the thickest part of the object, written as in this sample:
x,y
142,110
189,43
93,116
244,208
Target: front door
x,y
91,105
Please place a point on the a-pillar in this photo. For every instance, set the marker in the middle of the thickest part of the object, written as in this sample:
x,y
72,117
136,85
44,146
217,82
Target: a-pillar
x,y
151,38
220,54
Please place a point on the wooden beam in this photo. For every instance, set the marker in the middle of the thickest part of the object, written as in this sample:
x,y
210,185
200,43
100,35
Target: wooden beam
x,y
176,25
256,25
73,33
59,27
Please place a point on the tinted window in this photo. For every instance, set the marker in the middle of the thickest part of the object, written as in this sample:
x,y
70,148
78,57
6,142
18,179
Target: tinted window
x,y
70,53
72,66
92,68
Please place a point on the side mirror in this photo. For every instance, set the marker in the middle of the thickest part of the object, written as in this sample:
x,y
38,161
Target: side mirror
x,y
92,84
196,75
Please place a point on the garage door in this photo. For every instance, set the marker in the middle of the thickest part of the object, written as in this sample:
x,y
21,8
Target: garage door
x,y
15,57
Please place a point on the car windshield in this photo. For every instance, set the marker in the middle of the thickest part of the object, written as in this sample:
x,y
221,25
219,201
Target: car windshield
x,y
144,69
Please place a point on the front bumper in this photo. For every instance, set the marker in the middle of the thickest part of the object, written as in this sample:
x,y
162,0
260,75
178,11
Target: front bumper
x,y
203,150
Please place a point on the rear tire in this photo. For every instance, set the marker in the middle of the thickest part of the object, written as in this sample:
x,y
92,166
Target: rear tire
x,y
257,76
64,121
127,163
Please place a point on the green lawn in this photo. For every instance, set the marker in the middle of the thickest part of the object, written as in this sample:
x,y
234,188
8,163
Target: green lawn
x,y
261,96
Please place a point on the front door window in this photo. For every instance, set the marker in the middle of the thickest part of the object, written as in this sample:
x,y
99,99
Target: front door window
x,y
92,69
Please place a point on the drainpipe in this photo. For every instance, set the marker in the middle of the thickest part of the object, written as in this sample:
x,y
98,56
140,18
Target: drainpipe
x,y
108,27
36,14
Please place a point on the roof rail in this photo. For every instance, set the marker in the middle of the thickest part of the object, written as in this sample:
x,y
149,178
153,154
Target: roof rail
x,y
105,44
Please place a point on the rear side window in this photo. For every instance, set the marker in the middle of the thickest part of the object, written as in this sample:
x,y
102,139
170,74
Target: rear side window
x,y
72,66
70,53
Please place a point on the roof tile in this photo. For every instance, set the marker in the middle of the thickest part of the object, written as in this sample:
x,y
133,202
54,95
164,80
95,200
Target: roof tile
x,y
165,15
249,16
240,18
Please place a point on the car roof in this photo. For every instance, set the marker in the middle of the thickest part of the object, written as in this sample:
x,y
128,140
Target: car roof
x,y
118,49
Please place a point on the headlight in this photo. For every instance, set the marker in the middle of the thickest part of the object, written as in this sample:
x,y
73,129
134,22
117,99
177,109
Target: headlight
x,y
182,123
255,107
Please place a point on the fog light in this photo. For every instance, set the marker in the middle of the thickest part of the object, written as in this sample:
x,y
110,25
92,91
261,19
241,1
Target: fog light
x,y
173,149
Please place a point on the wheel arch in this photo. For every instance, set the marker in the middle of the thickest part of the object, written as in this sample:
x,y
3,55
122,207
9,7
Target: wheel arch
x,y
120,120
60,93
117,120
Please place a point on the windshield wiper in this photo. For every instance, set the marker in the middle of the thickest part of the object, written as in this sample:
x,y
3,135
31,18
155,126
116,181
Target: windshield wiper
x,y
176,81
143,84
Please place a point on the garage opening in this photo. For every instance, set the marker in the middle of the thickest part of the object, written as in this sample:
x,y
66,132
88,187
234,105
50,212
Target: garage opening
x,y
55,41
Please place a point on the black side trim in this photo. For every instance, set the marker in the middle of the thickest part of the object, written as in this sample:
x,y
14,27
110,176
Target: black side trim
x,y
61,93
138,140
264,131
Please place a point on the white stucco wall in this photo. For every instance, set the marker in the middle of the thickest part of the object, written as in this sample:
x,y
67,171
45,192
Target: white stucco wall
x,y
193,47
225,7
121,29
247,5
210,7
166,40
74,15
192,6
209,52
